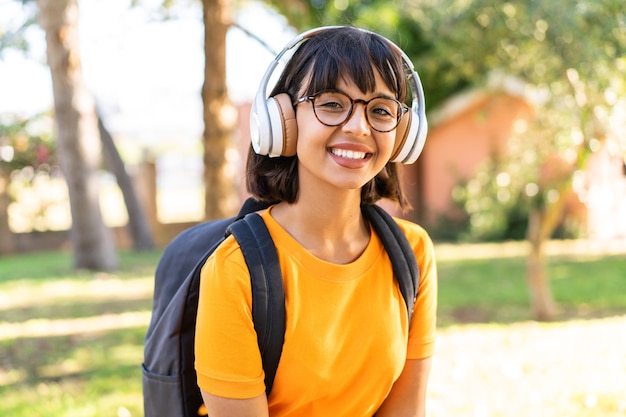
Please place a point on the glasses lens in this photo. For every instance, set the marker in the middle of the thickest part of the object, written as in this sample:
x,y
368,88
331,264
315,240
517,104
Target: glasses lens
x,y
383,114
332,107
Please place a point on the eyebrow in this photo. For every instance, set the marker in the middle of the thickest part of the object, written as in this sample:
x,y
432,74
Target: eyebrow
x,y
375,94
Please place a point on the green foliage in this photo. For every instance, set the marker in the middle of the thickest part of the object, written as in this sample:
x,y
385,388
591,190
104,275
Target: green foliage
x,y
495,204
570,57
28,157
27,143
448,228
14,31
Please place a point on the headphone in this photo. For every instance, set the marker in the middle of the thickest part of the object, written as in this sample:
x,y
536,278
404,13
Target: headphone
x,y
273,126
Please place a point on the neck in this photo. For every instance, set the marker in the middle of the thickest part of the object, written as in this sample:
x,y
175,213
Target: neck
x,y
331,228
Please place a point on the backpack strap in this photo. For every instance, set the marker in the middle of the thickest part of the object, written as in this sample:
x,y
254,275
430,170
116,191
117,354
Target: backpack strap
x,y
251,205
268,294
399,250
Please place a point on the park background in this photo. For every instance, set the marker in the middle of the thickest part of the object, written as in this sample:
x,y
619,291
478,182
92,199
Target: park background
x,y
71,335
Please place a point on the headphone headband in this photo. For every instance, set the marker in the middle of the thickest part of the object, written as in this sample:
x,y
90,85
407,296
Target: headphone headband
x,y
268,123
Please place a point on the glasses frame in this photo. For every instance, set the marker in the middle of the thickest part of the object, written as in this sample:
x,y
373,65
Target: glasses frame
x,y
353,101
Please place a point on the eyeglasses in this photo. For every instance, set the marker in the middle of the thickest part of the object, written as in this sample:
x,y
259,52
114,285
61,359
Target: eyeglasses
x,y
333,108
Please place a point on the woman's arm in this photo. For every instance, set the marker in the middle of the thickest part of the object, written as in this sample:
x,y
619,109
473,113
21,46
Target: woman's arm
x,y
408,395
229,407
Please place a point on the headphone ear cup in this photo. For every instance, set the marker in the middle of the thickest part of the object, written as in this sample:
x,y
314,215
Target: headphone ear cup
x,y
260,128
289,124
410,137
402,131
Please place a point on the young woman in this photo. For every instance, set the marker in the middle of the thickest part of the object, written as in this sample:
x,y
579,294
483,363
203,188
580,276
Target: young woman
x,y
349,349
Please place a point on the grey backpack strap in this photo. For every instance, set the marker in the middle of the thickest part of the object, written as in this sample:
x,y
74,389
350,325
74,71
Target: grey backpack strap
x,y
268,294
399,250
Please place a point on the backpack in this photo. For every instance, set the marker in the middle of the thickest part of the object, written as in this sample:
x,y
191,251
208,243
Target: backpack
x,y
169,377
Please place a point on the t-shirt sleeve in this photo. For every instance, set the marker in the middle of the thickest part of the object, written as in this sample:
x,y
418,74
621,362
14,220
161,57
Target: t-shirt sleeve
x,y
423,328
228,362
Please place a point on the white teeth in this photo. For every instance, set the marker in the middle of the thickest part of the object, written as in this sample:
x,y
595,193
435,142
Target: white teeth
x,y
344,153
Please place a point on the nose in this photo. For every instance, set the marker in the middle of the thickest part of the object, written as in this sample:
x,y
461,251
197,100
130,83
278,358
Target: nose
x,y
357,123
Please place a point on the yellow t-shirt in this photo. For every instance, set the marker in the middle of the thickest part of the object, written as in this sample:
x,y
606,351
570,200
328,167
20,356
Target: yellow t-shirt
x,y
346,336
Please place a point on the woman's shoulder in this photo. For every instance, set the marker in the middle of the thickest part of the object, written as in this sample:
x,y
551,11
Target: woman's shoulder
x,y
226,253
227,247
413,231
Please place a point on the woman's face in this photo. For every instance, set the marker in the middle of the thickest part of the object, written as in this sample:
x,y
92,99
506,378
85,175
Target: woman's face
x,y
345,156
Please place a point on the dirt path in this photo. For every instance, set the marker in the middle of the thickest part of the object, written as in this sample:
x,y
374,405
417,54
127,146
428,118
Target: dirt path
x,y
568,369
579,247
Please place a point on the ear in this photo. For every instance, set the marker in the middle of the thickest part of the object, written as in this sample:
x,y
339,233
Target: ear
x,y
290,125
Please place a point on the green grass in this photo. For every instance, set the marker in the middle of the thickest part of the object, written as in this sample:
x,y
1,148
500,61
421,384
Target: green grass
x,y
71,342
495,290
56,365
76,375
45,266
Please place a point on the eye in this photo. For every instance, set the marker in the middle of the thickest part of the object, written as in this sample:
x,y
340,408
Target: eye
x,y
383,109
332,102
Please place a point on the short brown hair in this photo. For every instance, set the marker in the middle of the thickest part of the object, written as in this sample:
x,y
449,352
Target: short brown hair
x,y
321,61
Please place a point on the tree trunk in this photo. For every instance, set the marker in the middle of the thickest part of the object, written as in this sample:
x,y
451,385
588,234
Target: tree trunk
x,y
79,148
137,222
220,116
542,221
6,237
542,301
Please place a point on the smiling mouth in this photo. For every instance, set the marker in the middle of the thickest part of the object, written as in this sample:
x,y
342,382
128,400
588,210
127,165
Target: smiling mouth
x,y
348,154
